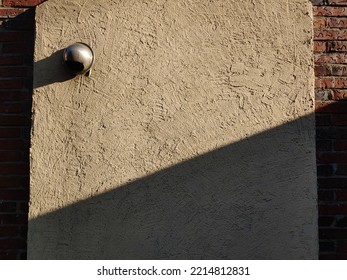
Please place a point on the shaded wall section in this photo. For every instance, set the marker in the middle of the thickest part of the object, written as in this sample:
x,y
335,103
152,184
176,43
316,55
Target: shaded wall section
x,y
236,202
16,80
192,138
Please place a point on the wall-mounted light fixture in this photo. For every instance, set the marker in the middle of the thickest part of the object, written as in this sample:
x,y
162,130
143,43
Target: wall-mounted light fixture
x,y
78,58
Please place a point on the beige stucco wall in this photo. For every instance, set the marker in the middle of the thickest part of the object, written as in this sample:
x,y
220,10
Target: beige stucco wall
x,y
192,138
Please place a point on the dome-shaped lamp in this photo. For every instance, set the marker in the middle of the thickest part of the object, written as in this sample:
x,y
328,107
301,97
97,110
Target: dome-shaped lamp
x,y
78,58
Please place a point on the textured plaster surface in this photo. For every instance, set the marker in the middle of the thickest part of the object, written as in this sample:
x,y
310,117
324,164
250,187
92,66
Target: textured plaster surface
x,y
192,138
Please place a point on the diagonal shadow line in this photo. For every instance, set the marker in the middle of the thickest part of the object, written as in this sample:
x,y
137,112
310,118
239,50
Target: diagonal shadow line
x,y
253,199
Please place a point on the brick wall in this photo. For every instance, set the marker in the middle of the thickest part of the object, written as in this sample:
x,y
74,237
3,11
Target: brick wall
x,y
16,58
330,54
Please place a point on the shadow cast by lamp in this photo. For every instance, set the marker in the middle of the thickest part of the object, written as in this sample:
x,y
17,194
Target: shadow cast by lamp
x,y
51,70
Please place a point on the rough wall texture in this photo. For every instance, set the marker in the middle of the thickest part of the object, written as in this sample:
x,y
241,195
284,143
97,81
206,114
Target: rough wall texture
x,y
192,138
331,90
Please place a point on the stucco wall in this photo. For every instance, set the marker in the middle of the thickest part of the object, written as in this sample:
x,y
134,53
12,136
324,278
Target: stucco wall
x,y
192,138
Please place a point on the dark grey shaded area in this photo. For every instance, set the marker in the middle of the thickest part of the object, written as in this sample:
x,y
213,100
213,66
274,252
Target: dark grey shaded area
x,y
254,199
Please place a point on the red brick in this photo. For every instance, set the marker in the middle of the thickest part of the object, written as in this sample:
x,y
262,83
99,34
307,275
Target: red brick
x,y
11,84
14,36
337,46
325,170
329,233
6,132
21,195
11,244
17,48
333,210
325,134
23,24
22,3
8,144
326,246
329,11
8,207
23,230
324,34
11,108
332,183
340,94
8,231
319,46
340,145
320,94
338,70
331,107
14,121
333,256
11,156
330,34
11,12
341,195
339,132
330,70
341,169
330,58
339,119
332,158
323,145
332,133
338,2
24,207
331,82
10,182
13,219
325,195
317,84
337,22
14,169
319,22
323,119
11,60
317,2
324,83
342,247
8,256
14,182
13,72
15,96
322,70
